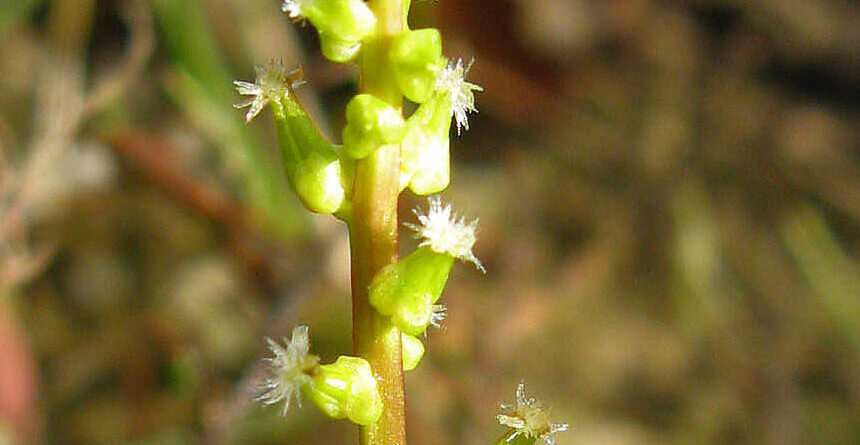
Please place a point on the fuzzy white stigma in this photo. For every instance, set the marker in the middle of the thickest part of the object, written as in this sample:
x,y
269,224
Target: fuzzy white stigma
x,y
528,418
437,315
452,81
289,370
293,8
271,83
445,232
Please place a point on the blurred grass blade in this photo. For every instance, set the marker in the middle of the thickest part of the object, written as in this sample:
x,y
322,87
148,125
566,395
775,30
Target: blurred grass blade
x,y
192,44
829,270
262,180
11,11
201,85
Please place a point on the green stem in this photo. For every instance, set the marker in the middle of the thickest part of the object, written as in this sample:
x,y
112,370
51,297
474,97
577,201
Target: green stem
x,y
373,235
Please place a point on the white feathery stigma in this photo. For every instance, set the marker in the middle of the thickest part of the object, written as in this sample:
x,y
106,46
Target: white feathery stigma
x,y
529,418
445,232
289,370
437,315
293,8
452,81
271,83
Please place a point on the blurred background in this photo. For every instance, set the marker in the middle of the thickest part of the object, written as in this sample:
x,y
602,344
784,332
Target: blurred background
x,y
668,194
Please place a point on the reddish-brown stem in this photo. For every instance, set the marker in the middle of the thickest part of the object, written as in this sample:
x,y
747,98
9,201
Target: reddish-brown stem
x,y
373,236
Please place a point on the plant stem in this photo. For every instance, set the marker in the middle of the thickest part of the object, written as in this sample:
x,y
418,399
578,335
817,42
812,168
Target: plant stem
x,y
373,236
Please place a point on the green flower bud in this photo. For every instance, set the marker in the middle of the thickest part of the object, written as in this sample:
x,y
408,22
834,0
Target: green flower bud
x,y
370,123
413,351
417,59
346,389
408,289
346,20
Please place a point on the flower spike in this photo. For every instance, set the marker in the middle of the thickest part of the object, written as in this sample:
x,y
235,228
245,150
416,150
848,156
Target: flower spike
x,y
271,83
452,81
528,418
289,370
445,232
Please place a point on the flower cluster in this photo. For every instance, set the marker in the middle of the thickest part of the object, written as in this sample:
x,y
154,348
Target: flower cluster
x,y
343,389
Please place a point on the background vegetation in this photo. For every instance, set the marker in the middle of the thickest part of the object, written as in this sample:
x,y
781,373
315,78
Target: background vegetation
x,y
668,193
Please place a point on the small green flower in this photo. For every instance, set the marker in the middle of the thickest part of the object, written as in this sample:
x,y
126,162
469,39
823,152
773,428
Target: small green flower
x,y
407,291
528,419
314,166
425,158
343,389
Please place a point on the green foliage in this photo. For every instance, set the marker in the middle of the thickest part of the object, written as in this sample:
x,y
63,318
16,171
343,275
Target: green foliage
x,y
12,11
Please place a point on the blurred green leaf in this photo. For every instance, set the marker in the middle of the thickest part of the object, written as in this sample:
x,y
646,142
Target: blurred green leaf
x,y
829,270
192,44
11,11
201,85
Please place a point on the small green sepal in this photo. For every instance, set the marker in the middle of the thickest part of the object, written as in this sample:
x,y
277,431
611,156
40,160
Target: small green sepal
x,y
413,351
